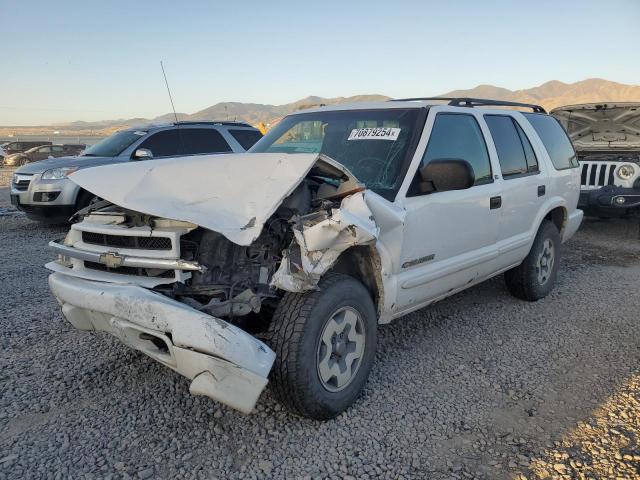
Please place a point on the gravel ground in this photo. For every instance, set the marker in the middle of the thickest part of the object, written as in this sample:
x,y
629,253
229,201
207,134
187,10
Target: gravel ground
x,y
479,386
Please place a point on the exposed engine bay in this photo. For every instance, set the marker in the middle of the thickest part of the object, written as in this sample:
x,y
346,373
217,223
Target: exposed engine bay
x,y
608,156
323,216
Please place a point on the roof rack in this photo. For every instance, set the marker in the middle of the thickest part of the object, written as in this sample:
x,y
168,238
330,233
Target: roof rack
x,y
475,102
212,122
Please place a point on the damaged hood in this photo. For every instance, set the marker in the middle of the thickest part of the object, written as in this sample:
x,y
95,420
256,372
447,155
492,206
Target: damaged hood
x,y
602,126
231,194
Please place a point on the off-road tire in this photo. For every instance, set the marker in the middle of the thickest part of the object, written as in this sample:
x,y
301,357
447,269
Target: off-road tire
x,y
522,281
294,334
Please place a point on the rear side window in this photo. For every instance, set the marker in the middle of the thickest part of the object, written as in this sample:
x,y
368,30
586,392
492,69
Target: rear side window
x,y
196,141
459,136
246,138
555,140
515,153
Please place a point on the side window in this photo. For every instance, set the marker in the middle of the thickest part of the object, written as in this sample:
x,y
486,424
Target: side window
x,y
194,141
45,150
246,138
509,145
458,136
162,144
57,148
555,140
532,160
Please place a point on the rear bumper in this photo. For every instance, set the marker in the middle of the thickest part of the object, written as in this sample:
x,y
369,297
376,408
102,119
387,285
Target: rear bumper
x,y
224,362
610,196
572,225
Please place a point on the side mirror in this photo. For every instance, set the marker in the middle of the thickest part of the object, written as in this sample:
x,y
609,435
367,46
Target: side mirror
x,y
142,154
444,174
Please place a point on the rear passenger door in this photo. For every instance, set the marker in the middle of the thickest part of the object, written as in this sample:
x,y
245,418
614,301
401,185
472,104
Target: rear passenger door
x,y
523,186
449,237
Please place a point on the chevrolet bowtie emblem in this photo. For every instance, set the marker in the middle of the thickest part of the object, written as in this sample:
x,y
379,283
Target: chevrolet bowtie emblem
x,y
111,259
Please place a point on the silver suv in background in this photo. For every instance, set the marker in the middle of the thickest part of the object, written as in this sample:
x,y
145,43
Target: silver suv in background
x,y
43,191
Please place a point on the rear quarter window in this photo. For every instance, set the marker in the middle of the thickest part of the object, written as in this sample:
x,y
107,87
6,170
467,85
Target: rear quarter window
x,y
246,138
195,141
555,140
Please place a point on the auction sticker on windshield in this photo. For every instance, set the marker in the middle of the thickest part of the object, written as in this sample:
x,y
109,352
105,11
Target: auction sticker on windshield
x,y
379,133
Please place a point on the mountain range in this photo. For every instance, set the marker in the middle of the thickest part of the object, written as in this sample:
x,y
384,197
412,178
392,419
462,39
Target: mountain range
x,y
550,95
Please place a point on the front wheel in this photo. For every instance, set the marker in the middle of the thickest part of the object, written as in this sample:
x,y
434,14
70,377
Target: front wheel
x,y
325,343
536,276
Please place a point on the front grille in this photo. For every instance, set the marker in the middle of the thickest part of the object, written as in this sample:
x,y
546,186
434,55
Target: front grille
x,y
138,272
598,174
22,185
122,241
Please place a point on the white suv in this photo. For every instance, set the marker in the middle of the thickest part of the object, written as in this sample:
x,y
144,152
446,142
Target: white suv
x,y
279,263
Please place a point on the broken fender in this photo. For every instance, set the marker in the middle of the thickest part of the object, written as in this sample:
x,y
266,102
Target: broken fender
x,y
321,238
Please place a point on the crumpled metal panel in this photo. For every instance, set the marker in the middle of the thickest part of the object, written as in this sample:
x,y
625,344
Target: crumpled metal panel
x,y
233,194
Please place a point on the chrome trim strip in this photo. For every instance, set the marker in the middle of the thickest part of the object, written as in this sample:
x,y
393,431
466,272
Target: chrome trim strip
x,y
115,260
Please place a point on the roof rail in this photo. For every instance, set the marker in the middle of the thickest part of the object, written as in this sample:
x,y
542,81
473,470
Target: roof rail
x,y
473,102
212,122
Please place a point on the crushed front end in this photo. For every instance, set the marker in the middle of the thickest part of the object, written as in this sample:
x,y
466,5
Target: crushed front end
x,y
110,272
198,294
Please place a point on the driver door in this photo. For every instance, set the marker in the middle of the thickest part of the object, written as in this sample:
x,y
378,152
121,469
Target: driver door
x,y
449,237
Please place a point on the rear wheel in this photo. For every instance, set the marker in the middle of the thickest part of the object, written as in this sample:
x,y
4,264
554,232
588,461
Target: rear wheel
x,y
536,276
325,344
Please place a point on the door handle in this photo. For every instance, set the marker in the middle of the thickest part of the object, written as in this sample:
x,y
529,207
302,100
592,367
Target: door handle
x,y
542,189
495,202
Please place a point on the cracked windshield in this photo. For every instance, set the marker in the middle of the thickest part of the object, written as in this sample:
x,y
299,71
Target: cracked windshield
x,y
372,144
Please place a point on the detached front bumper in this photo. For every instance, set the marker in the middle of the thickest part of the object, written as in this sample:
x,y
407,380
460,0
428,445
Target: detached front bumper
x,y
610,196
224,362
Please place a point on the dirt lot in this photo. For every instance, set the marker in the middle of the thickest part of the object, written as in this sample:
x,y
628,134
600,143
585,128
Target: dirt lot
x,y
479,386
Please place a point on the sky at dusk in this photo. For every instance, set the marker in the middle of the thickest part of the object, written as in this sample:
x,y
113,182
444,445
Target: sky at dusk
x,y
68,60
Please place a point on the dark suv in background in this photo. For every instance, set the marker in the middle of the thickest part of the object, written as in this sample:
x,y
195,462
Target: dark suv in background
x,y
43,191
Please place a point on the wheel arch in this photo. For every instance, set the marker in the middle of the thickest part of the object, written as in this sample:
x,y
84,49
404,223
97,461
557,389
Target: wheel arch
x,y
363,263
558,216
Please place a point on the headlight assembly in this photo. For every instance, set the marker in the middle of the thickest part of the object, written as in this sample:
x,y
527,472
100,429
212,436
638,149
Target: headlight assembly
x,y
625,172
58,173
